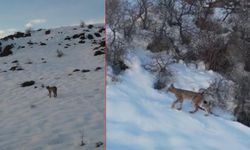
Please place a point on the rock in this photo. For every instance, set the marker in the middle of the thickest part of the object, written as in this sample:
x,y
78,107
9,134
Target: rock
x,y
82,42
90,36
47,32
7,51
27,83
97,34
101,30
15,61
67,38
85,70
98,68
90,26
99,53
76,70
42,44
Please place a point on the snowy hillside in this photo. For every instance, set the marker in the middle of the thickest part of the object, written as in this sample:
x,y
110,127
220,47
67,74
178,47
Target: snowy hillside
x,y
140,118
29,119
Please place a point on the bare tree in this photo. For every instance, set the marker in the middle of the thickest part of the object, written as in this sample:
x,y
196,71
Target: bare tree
x,y
144,6
131,12
114,19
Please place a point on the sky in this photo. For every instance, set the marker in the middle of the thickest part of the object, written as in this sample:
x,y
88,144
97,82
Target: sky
x,y
18,15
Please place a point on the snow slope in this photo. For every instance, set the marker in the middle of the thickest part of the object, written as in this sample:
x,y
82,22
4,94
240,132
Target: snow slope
x,y
29,119
140,118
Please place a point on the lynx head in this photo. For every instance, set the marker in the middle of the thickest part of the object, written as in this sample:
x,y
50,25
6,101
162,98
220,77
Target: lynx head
x,y
171,88
206,104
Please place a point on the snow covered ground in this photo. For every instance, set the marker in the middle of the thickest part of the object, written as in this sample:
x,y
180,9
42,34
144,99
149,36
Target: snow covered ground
x,y
29,119
140,118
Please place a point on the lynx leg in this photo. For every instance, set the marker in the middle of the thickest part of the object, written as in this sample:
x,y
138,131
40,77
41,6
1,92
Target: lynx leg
x,y
207,111
49,94
173,104
55,93
206,104
195,108
181,101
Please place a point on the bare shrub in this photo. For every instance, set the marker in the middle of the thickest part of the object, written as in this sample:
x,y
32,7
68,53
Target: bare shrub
x,y
213,51
116,54
82,138
186,38
159,44
209,25
82,24
28,30
190,57
129,31
222,94
59,53
242,111
159,65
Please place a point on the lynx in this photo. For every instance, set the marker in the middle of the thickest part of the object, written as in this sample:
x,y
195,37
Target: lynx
x,y
197,99
52,89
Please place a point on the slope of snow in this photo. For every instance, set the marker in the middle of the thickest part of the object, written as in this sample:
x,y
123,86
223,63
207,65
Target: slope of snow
x,y
29,119
140,118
